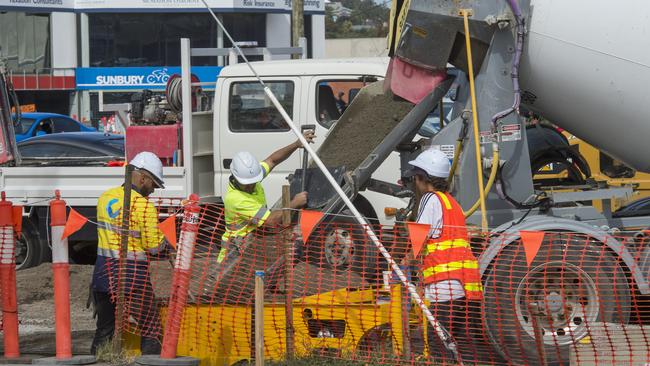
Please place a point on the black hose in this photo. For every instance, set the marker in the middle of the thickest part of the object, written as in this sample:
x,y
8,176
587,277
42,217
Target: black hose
x,y
519,205
174,93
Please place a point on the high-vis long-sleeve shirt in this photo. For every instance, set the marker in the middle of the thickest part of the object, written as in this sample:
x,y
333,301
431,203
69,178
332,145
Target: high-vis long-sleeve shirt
x,y
145,238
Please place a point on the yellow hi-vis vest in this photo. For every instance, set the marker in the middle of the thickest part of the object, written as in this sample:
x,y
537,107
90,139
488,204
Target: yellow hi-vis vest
x,y
244,212
144,234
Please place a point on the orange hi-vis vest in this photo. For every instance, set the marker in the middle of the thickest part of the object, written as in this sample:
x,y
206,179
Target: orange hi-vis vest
x,y
450,257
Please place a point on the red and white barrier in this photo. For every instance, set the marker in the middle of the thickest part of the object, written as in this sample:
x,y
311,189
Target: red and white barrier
x,y
181,279
8,279
61,272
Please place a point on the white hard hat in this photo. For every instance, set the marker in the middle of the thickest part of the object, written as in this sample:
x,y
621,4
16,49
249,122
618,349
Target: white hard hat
x,y
246,169
150,163
433,162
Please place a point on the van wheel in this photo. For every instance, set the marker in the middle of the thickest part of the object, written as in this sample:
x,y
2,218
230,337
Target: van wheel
x,y
343,244
29,249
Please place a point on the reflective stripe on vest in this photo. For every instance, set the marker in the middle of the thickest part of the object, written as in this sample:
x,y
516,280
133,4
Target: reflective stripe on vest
x,y
117,229
110,253
447,244
243,228
473,287
450,267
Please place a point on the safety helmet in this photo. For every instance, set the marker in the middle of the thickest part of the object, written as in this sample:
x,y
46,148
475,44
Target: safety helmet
x,y
246,169
433,162
150,163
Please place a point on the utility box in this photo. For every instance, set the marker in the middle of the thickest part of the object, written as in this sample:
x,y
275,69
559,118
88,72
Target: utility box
x,y
162,140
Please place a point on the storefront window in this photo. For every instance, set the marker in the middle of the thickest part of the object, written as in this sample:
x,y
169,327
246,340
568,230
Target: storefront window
x,y
25,41
154,39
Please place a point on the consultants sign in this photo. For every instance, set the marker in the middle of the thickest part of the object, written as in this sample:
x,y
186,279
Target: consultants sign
x,y
138,78
53,5
158,5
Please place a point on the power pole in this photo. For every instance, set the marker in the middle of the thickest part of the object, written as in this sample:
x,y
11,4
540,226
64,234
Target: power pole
x,y
297,23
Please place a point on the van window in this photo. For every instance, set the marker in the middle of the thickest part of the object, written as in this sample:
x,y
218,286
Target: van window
x,y
333,97
252,111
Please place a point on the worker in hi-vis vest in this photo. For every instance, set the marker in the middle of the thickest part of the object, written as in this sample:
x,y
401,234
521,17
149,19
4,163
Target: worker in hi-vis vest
x,y
145,242
245,207
449,268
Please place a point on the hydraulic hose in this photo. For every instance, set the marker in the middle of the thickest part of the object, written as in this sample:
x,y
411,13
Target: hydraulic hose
x,y
477,143
519,50
491,179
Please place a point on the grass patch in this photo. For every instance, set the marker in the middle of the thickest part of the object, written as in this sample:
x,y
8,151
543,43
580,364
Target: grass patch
x,y
106,354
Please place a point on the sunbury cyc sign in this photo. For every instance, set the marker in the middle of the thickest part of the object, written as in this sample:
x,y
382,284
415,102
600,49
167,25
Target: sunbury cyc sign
x,y
136,78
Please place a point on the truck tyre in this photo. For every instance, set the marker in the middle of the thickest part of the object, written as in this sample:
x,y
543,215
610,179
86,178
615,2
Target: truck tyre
x,y
29,249
342,244
571,285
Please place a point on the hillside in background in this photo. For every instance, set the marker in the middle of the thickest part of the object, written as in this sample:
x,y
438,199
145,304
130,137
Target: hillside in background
x,y
356,19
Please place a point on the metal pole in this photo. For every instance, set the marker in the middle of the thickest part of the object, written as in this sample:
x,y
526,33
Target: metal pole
x,y
259,318
442,333
186,102
297,23
288,270
124,248
477,143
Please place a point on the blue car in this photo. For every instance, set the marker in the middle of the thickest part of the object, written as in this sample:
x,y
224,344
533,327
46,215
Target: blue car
x,y
38,124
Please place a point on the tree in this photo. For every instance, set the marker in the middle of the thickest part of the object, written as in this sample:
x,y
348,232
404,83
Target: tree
x,y
373,17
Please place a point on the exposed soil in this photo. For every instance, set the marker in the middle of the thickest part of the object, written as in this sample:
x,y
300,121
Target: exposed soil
x,y
35,292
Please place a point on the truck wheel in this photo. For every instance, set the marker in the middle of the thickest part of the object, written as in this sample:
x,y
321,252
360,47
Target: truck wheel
x,y
29,249
571,285
344,245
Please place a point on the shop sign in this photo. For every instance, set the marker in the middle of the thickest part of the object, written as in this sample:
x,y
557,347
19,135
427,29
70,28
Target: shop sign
x,y
138,78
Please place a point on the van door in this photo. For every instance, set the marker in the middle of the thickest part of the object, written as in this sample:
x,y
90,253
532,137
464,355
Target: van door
x,y
249,122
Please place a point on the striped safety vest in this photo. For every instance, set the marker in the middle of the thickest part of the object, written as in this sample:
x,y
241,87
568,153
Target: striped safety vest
x,y
244,213
450,257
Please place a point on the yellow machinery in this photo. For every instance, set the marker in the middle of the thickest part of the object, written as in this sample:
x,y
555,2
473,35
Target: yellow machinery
x,y
344,323
604,170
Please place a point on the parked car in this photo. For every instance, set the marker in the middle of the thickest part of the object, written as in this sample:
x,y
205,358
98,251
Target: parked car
x,y
74,148
37,124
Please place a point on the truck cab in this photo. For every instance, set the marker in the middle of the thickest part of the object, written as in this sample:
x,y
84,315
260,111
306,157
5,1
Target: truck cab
x,y
314,92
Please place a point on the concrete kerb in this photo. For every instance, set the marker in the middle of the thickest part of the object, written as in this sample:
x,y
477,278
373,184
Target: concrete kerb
x,y
155,360
74,360
22,360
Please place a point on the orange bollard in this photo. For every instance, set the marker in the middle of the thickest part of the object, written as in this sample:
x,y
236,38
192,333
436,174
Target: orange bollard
x,y
61,275
180,286
8,279
61,272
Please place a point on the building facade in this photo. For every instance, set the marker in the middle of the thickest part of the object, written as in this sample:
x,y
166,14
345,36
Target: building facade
x,y
51,46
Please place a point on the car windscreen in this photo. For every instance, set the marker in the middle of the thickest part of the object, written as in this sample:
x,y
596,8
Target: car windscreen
x,y
24,125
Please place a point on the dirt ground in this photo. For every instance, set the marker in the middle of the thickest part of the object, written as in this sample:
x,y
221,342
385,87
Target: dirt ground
x,y
35,292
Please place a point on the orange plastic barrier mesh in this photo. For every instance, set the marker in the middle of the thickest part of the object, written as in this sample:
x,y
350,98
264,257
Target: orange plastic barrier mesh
x,y
551,298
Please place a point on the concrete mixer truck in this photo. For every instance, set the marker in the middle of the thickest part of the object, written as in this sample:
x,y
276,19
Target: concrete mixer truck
x,y
581,64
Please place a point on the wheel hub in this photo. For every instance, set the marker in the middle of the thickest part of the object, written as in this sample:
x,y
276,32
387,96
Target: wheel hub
x,y
339,247
561,298
553,302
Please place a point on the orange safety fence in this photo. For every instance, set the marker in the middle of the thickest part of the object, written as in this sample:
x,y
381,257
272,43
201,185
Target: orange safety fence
x,y
547,297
